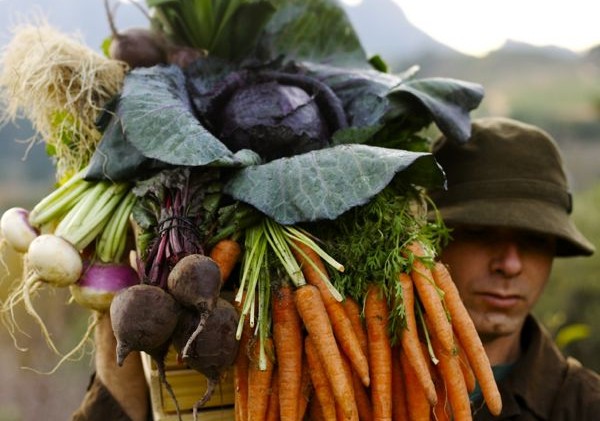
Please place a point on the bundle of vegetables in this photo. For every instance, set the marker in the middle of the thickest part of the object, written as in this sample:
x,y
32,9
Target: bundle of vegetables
x,y
399,343
252,127
78,235
75,237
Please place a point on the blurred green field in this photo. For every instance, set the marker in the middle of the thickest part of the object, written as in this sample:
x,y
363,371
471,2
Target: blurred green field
x,y
570,307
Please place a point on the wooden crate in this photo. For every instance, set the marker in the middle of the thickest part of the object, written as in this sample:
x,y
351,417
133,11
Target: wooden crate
x,y
188,386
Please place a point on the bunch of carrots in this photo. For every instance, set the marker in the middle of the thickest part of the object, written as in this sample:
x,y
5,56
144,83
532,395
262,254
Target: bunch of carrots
x,y
305,351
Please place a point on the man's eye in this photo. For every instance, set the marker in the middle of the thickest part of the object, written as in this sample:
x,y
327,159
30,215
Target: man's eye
x,y
538,241
469,233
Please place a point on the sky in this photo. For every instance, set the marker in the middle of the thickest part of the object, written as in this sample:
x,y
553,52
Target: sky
x,y
476,27
471,26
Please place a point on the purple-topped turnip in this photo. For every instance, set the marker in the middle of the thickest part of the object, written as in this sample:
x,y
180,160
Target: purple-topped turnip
x,y
100,282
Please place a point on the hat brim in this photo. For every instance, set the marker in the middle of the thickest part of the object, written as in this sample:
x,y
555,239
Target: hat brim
x,y
532,215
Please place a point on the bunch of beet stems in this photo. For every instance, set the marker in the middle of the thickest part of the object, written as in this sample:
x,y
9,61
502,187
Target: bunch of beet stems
x,y
79,217
177,199
337,358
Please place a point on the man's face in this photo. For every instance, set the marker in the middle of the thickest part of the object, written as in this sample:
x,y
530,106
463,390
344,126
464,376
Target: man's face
x,y
500,274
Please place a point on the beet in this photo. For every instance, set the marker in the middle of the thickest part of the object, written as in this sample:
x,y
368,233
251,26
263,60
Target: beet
x,y
195,282
214,349
144,318
138,47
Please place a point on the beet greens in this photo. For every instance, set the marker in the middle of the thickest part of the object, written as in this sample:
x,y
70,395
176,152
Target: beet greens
x,y
174,205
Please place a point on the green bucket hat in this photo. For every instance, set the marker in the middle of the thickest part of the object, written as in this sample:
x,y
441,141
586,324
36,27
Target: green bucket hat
x,y
508,174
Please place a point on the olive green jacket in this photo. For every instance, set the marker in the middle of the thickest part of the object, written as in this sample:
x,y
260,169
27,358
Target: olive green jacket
x,y
544,385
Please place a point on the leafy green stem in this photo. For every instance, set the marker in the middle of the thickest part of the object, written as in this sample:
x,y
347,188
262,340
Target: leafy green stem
x,y
111,243
59,201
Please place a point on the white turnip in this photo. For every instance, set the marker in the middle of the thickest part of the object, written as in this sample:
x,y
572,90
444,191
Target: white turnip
x,y
49,260
16,230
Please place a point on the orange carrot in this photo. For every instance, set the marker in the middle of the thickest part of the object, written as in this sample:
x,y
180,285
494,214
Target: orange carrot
x,y
430,298
312,312
456,389
342,327
315,412
466,368
363,401
400,406
441,410
410,339
322,388
469,339
380,352
226,254
287,337
259,383
240,374
417,403
273,408
306,389
353,311
348,371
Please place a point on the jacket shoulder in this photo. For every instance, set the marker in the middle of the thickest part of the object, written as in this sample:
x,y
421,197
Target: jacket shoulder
x,y
580,392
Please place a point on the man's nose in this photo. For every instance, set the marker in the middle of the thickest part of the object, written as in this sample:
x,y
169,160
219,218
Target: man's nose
x,y
507,259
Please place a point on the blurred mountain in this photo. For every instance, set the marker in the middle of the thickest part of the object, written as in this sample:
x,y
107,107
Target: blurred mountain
x,y
519,47
384,29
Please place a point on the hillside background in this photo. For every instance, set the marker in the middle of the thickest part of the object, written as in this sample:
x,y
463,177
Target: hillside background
x,y
554,88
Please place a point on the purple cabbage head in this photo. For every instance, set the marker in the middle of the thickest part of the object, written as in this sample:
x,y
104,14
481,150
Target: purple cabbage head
x,y
275,114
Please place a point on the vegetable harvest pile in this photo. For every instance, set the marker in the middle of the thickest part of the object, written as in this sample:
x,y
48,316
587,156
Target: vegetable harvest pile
x,y
250,147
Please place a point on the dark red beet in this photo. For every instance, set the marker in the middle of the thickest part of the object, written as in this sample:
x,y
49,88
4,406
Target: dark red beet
x,y
214,349
138,47
143,318
183,56
195,281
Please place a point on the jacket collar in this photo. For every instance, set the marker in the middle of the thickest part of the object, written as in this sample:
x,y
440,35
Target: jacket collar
x,y
537,375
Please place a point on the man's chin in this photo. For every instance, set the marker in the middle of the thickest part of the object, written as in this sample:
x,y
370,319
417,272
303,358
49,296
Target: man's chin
x,y
494,326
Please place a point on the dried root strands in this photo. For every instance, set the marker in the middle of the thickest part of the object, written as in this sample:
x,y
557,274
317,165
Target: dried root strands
x,y
60,85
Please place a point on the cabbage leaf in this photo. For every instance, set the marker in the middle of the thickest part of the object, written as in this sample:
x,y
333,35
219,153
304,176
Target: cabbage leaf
x,y
325,183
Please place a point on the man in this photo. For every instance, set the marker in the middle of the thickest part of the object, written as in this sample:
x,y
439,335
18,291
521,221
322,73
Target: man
x,y
508,205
